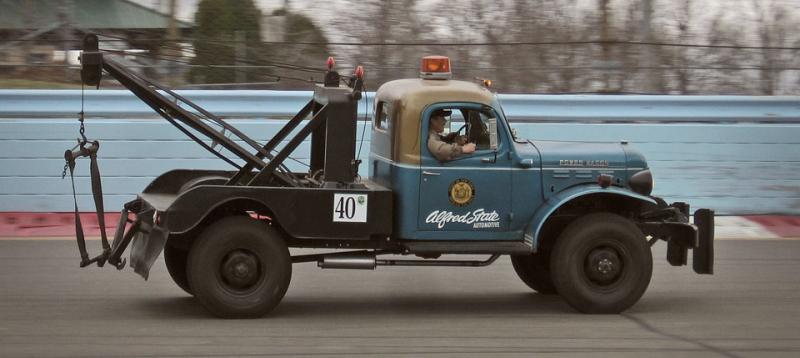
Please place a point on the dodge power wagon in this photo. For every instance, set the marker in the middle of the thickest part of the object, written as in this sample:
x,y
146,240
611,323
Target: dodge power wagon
x,y
447,176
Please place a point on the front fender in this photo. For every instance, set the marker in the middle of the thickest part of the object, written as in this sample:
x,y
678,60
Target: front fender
x,y
552,204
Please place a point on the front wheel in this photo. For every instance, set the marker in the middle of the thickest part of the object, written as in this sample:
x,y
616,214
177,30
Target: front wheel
x,y
534,270
239,268
601,263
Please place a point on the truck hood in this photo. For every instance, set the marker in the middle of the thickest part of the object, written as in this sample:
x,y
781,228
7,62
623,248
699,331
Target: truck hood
x,y
558,154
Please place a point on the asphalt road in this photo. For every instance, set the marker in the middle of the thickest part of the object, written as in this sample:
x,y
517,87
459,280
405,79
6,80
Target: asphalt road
x,y
51,308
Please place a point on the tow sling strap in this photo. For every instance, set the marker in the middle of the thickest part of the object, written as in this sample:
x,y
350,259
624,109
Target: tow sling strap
x,y
88,149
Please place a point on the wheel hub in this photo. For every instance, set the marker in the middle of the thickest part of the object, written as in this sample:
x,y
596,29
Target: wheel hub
x,y
603,266
240,269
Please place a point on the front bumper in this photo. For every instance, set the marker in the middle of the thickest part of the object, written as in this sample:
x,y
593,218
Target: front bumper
x,y
673,226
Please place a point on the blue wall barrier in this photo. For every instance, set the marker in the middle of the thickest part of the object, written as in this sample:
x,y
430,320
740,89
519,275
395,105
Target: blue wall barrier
x,y
738,155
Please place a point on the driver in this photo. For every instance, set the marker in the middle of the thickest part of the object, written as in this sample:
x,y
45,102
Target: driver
x,y
449,147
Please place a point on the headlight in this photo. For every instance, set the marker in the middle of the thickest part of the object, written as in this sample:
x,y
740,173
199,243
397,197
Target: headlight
x,y
642,182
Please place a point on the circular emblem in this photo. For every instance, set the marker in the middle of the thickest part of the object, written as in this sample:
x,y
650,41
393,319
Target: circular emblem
x,y
461,192
361,200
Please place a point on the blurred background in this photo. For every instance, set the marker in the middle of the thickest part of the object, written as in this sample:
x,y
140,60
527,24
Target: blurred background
x,y
707,90
739,155
743,47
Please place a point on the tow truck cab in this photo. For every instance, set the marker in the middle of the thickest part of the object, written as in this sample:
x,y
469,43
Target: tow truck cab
x,y
513,195
496,192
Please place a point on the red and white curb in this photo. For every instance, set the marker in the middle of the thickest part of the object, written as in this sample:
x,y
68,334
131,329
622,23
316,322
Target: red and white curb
x,y
739,227
28,225
781,227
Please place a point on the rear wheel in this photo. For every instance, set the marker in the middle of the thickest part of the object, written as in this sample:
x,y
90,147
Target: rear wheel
x,y
239,268
534,270
601,263
176,258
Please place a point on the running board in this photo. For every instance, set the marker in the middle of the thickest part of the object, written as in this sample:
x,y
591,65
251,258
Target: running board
x,y
467,247
366,260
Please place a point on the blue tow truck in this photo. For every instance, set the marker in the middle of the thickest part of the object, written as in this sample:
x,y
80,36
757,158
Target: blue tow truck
x,y
577,219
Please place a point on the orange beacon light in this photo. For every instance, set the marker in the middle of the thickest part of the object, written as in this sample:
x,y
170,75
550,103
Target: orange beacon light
x,y
435,68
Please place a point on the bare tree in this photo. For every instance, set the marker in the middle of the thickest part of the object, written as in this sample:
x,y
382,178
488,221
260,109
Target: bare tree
x,y
588,49
683,21
774,29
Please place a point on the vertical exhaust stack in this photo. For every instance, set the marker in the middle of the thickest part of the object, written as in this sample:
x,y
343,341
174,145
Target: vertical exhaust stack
x,y
91,61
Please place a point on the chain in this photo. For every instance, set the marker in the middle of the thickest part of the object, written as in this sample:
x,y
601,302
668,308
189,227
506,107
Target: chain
x,y
82,131
80,118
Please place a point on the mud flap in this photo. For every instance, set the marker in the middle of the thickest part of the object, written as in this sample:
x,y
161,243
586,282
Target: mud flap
x,y
146,247
703,254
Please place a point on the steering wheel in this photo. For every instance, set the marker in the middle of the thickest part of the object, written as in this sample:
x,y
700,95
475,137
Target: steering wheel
x,y
458,132
453,135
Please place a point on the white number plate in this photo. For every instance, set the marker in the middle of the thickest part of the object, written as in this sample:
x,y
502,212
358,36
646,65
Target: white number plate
x,y
350,208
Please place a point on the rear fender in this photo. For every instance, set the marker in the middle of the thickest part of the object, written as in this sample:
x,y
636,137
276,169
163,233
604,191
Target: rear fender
x,y
178,180
534,228
189,211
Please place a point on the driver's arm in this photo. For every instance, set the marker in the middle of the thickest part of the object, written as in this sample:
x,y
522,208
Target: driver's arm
x,y
444,151
455,138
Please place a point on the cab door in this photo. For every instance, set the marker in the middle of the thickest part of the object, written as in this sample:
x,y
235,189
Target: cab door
x,y
468,197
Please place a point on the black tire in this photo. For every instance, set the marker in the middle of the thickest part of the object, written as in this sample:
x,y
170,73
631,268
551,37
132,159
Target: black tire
x,y
601,263
534,270
239,268
176,259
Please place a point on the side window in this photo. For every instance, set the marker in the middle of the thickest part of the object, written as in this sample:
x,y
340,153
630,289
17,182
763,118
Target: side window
x,y
473,124
383,116
462,126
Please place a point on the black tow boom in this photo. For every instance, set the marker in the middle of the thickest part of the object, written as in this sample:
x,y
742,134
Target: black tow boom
x,y
140,225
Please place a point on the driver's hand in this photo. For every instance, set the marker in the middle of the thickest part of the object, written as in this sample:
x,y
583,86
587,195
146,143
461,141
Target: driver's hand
x,y
468,148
